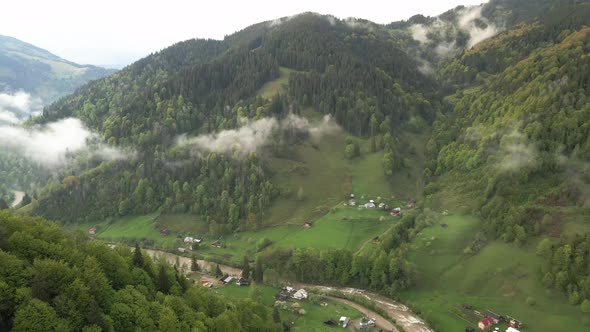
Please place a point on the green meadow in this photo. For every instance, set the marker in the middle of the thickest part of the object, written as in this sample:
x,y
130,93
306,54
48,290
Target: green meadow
x,y
273,87
499,278
345,227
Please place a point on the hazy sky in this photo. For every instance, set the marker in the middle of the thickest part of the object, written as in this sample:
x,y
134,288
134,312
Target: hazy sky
x,y
110,32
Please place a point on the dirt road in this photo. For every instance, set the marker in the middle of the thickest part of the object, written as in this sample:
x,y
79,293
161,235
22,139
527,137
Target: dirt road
x,y
381,321
398,311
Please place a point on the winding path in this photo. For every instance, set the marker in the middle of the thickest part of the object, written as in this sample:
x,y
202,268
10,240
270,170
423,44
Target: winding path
x,y
403,316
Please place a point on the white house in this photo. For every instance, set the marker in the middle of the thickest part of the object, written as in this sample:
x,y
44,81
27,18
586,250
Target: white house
x,y
511,329
370,205
188,239
300,294
344,321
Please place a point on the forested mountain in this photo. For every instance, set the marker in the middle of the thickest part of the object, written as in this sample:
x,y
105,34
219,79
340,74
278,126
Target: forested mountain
x,y
40,73
500,91
149,104
53,280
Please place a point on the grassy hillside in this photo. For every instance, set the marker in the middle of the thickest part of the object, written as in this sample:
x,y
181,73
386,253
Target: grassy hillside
x,y
501,277
278,85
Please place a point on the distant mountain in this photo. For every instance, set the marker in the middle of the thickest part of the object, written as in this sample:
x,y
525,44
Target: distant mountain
x,y
25,67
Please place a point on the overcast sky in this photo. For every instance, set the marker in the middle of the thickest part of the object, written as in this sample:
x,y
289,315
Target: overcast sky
x,y
114,32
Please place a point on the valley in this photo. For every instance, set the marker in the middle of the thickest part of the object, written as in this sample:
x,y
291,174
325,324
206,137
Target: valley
x,y
430,174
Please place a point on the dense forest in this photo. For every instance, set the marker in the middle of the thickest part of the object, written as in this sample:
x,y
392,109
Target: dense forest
x,y
55,280
207,86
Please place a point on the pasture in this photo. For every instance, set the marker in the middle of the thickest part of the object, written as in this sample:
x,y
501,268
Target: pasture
x,y
273,87
345,227
131,229
499,278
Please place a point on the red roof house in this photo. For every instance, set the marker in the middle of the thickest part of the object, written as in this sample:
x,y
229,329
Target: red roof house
x,y
486,323
92,231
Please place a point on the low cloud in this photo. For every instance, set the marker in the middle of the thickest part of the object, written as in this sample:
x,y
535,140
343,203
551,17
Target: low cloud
x,y
478,27
18,106
253,135
53,144
516,152
441,35
355,23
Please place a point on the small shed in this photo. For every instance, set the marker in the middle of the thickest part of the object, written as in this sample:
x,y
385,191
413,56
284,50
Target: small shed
x,y
497,318
344,321
515,323
307,224
300,294
243,282
226,279
216,244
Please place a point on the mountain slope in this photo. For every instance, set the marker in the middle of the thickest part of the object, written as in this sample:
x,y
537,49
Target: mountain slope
x,y
40,73
150,103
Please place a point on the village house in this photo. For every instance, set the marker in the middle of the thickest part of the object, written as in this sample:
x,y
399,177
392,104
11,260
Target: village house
x,y
485,323
515,323
300,294
511,329
243,282
205,283
282,296
216,244
370,205
366,323
344,321
396,212
497,318
307,224
226,279
92,231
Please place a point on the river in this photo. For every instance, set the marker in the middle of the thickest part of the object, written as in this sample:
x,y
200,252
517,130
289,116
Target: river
x,y
403,316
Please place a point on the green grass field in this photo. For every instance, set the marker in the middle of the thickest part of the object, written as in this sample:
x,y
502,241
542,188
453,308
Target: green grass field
x,y
271,88
183,224
324,181
315,314
129,229
346,227
500,278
